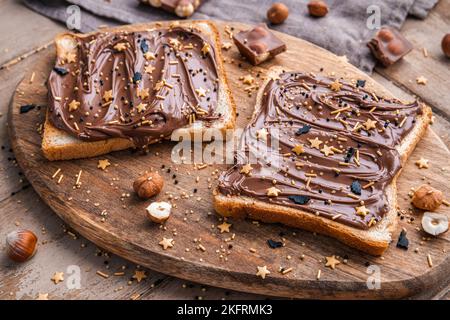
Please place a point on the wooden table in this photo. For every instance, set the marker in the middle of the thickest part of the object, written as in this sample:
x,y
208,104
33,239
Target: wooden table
x,y
20,207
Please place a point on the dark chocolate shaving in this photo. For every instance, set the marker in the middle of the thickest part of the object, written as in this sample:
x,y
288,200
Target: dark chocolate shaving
x,y
303,130
60,71
403,241
349,155
274,244
360,83
299,199
144,46
137,77
356,187
27,107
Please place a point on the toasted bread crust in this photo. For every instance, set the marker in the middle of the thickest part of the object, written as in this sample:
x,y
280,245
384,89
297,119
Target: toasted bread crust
x,y
373,241
76,149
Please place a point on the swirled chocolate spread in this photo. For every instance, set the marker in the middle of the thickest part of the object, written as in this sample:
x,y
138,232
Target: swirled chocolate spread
x,y
136,85
322,146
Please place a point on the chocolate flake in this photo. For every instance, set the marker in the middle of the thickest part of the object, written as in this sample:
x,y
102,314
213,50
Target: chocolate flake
x,y
349,155
360,83
303,130
403,241
144,46
60,71
27,107
274,244
299,199
356,187
137,77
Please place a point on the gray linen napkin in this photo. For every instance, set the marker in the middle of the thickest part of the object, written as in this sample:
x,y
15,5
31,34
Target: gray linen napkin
x,y
343,31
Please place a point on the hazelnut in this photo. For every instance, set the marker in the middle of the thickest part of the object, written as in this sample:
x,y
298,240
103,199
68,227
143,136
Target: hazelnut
x,y
184,9
148,185
277,13
427,198
317,8
258,47
396,47
434,223
155,3
159,211
385,35
446,45
21,245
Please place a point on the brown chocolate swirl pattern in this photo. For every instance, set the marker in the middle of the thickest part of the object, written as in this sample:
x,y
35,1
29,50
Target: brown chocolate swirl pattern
x,y
136,85
336,152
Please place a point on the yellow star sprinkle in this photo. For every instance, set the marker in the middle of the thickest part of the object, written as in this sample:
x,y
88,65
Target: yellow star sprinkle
x,y
73,105
166,243
200,92
142,93
370,124
246,169
421,80
58,277
326,150
42,296
120,46
262,272
298,149
139,275
362,211
206,49
422,163
332,262
315,143
273,192
224,227
149,56
141,107
107,96
336,85
149,69
70,57
103,164
248,79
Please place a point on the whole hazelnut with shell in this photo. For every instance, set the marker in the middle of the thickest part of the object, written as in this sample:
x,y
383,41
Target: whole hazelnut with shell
x,y
446,45
21,245
148,185
277,13
427,198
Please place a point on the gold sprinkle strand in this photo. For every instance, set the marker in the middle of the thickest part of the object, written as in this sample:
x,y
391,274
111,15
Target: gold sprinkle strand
x,y
351,195
285,271
56,173
336,216
319,272
446,203
368,185
345,164
430,262
102,274
373,109
78,178
60,178
340,110
402,123
314,175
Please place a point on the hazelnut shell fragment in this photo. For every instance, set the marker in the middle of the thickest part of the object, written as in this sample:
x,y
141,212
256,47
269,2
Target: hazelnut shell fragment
x,y
148,185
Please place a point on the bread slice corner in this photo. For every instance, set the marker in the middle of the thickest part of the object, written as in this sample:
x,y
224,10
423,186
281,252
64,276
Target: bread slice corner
x,y
60,145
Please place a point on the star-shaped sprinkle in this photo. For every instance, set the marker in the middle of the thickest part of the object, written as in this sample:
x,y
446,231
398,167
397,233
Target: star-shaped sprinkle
x,y
298,149
206,49
422,163
200,92
149,69
70,57
246,169
142,93
336,85
421,80
103,164
326,150
227,45
262,134
166,243
73,105
273,192
121,46
248,79
58,277
224,227
315,143
332,262
159,85
107,96
141,107
262,272
362,211
42,296
139,275
175,43
149,56
370,124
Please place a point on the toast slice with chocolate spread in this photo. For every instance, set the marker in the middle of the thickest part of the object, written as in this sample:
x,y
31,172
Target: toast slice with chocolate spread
x,y
134,85
333,171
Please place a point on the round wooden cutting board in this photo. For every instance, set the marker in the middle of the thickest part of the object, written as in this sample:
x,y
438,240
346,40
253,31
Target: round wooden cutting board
x,y
230,259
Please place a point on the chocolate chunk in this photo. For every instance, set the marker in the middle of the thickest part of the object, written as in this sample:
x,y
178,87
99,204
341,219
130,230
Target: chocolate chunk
x,y
60,71
144,46
274,244
349,154
403,241
303,130
361,83
389,46
137,77
299,199
258,44
356,187
26,108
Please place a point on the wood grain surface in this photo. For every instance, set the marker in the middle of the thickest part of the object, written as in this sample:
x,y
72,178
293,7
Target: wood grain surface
x,y
226,260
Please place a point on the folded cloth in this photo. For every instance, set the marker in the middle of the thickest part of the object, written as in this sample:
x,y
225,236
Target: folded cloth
x,y
343,31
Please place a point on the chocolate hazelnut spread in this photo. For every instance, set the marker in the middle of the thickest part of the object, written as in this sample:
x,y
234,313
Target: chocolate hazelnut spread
x,y
138,85
336,153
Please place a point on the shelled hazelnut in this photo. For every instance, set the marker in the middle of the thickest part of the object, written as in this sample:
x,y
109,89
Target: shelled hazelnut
x,y
278,13
317,8
446,45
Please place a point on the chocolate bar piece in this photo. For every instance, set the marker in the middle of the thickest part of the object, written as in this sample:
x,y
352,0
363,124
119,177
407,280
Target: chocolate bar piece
x,y
182,8
389,46
258,44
